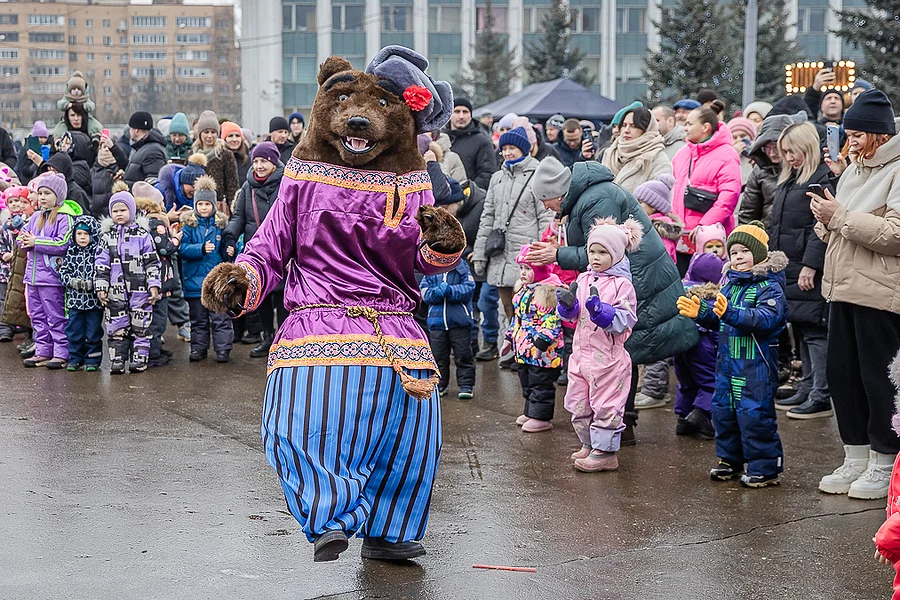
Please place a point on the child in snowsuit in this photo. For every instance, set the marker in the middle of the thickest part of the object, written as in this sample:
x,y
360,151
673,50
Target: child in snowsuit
x,y
711,239
696,368
201,249
536,339
46,238
556,234
887,540
603,303
127,283
84,329
449,300
750,312
11,221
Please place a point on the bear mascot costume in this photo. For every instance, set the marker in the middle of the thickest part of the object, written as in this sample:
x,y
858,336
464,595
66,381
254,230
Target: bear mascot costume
x,y
351,420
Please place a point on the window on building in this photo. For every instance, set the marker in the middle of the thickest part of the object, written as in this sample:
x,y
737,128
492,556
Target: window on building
x,y
123,40
107,73
444,19
123,59
9,36
499,13
9,71
347,17
89,57
396,17
149,40
299,69
9,105
73,57
590,20
154,22
89,23
107,90
107,41
193,88
223,58
107,24
9,54
299,17
107,108
146,71
46,71
444,67
89,73
123,25
73,40
193,22
222,72
631,20
54,20
9,19
10,88
73,23
47,38
43,105
192,55
193,72
149,55
107,57
89,40
223,24
123,73
629,69
192,38
811,20
45,54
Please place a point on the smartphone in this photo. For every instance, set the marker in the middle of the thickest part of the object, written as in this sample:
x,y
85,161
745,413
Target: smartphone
x,y
816,189
105,132
833,137
45,152
586,135
33,143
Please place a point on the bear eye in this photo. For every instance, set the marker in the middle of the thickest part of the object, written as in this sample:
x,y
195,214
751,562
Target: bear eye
x,y
343,97
383,102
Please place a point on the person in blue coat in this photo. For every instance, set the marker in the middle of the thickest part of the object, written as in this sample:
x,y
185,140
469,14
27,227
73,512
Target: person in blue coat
x,y
202,248
750,313
449,300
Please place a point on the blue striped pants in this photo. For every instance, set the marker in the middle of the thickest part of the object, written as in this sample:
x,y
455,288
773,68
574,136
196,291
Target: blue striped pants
x,y
353,451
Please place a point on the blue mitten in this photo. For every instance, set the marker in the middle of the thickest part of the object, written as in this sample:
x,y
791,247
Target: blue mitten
x,y
601,313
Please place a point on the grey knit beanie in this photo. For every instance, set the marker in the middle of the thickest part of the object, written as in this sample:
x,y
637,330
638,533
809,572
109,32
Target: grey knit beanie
x,y
551,179
207,120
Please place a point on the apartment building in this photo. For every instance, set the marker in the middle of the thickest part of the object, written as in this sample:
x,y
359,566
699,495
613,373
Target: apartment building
x,y
614,34
161,57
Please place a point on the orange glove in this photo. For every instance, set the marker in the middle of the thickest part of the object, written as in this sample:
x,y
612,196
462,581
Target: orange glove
x,y
720,306
689,306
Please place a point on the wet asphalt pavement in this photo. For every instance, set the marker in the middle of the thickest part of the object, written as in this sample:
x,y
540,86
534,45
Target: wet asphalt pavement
x,y
155,486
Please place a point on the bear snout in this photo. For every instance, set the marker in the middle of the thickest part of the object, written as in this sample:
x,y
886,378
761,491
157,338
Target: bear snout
x,y
358,123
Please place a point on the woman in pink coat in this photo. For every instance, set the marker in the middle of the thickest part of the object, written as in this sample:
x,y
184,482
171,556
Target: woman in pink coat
x,y
603,304
707,177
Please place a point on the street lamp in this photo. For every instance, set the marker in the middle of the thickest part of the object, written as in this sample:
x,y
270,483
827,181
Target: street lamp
x,y
751,26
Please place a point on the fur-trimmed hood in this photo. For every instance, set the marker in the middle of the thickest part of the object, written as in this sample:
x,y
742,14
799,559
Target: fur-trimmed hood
x,y
190,219
707,291
544,293
777,262
151,209
669,230
107,225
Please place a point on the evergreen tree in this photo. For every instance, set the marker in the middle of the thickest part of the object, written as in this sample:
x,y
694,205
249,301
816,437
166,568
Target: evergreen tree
x,y
488,75
150,103
551,57
876,29
773,49
695,51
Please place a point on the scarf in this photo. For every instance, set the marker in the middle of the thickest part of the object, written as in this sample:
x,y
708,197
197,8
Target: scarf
x,y
511,163
628,158
180,198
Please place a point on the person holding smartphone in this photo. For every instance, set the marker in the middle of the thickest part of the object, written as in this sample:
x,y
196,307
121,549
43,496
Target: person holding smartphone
x,y
791,230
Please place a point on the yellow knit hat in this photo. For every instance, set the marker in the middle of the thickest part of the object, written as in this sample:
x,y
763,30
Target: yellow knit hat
x,y
752,235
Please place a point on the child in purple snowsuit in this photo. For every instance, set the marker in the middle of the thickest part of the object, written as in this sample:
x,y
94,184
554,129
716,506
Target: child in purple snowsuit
x,y
127,282
696,368
46,238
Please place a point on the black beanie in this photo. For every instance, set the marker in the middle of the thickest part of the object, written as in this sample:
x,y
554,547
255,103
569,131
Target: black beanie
x,y
141,120
278,123
871,112
830,91
462,102
706,95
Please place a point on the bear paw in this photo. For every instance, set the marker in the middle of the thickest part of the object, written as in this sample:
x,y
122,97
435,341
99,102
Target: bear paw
x,y
225,289
440,230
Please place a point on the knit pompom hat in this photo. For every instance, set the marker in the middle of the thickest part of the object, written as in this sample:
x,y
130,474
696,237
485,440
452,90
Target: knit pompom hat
x,y
195,168
616,238
752,235
205,190
516,137
657,193
541,272
56,183
743,125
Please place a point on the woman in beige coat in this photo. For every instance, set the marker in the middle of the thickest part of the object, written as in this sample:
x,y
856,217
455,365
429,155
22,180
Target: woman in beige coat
x,y
638,154
861,225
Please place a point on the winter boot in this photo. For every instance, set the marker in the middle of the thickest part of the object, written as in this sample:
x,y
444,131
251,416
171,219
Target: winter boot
x,y
725,471
536,426
643,402
701,424
36,361
381,549
873,483
521,420
251,339
583,453
465,393
856,461
628,438
489,353
262,350
329,546
184,333
759,481
117,367
684,427
55,364
597,461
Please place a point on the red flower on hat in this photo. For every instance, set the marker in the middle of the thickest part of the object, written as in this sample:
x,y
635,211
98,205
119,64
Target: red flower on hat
x,y
417,97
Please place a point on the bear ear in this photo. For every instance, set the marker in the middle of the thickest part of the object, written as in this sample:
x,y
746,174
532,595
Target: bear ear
x,y
332,66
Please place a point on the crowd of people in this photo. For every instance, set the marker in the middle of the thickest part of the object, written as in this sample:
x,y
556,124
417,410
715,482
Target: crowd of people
x,y
754,255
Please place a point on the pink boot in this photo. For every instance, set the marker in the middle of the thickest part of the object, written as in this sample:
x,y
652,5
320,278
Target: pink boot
x,y
535,426
521,420
583,453
598,461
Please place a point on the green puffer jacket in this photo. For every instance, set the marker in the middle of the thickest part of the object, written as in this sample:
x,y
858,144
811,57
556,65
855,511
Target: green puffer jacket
x,y
660,331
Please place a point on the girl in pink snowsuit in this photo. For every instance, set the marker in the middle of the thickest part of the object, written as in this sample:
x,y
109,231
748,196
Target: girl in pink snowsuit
x,y
603,303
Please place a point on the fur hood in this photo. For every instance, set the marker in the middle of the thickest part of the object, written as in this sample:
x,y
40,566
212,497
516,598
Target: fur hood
x,y
669,230
894,373
707,291
776,263
106,225
189,219
151,209
544,295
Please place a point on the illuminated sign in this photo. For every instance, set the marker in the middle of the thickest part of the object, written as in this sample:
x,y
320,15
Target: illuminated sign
x,y
801,75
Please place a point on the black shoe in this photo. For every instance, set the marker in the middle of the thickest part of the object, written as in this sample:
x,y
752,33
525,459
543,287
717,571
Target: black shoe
x,y
381,549
6,337
759,481
788,403
509,363
197,356
563,379
222,357
251,339
702,424
784,374
476,349
329,546
785,391
489,353
684,427
262,350
628,438
162,360
28,351
725,472
117,368
811,409
74,366
138,368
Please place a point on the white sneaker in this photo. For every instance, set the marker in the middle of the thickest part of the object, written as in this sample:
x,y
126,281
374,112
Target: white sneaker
x,y
873,484
643,402
856,461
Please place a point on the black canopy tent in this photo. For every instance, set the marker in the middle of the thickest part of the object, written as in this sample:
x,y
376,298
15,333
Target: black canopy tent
x,y
540,101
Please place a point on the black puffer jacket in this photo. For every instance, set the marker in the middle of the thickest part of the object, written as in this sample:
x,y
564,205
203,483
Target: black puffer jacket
x,y
243,218
146,159
791,230
476,151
